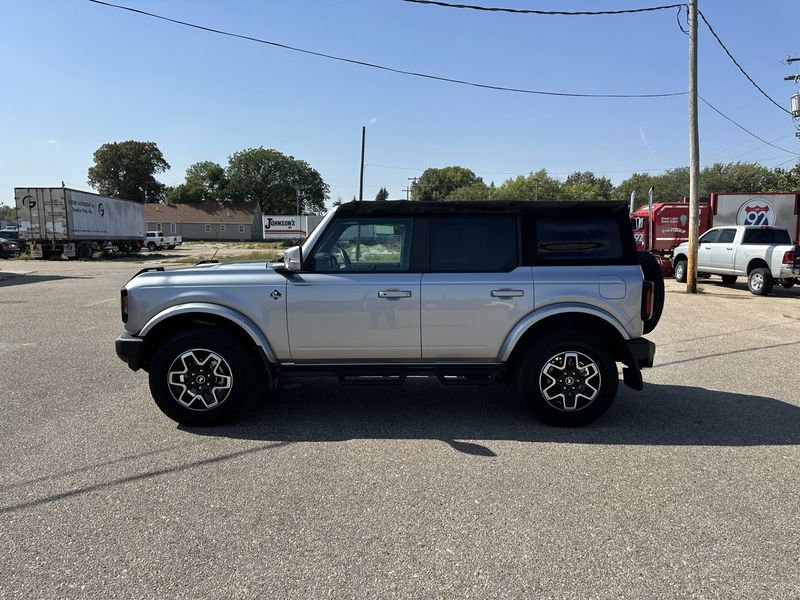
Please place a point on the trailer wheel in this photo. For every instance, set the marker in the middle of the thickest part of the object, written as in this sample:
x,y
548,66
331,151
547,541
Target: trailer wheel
x,y
760,281
652,272
202,376
680,271
568,378
729,279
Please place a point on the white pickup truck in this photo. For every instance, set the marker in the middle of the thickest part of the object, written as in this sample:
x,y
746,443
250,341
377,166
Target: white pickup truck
x,y
765,255
156,240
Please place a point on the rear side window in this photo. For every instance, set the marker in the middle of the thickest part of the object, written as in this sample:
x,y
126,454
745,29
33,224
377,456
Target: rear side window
x,y
726,236
474,244
766,236
565,240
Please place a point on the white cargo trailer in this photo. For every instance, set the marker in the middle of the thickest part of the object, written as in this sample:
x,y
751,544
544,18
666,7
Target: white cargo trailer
x,y
60,220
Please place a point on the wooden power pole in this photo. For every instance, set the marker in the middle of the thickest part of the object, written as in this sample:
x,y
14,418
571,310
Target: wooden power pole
x,y
694,154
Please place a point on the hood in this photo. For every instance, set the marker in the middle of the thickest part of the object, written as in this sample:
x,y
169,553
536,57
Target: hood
x,y
212,274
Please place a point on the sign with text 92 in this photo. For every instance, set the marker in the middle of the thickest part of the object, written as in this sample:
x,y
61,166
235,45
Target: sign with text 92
x,y
285,227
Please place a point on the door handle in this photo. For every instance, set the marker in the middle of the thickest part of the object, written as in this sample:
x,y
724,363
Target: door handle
x,y
394,294
707,247
729,248
507,293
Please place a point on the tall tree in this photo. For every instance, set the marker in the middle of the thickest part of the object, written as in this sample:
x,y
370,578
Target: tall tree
x,y
127,170
279,183
476,191
438,184
8,213
205,180
535,186
585,185
382,195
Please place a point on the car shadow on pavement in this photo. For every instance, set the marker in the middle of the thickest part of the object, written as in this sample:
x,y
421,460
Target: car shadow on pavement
x,y
8,279
320,410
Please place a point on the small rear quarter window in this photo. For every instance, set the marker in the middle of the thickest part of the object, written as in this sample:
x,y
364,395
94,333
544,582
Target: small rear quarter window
x,y
578,240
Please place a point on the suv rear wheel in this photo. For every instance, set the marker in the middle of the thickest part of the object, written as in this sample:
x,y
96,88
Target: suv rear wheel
x,y
201,377
568,379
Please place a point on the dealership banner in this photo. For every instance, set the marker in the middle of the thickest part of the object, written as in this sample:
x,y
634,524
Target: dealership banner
x,y
285,227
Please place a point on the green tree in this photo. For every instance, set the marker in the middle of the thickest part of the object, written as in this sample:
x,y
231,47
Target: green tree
x,y
736,177
535,186
786,180
128,170
279,183
438,184
476,191
205,180
8,213
585,185
382,195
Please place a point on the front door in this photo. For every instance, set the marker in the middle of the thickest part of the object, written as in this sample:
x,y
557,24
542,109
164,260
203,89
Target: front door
x,y
355,299
704,249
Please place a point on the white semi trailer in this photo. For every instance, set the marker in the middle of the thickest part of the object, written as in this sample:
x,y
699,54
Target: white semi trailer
x,y
57,221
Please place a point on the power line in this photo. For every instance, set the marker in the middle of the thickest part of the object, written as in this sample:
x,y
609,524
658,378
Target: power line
x,y
743,128
728,52
382,67
564,13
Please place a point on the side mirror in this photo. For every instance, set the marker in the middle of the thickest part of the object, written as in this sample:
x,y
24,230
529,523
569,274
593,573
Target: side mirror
x,y
293,259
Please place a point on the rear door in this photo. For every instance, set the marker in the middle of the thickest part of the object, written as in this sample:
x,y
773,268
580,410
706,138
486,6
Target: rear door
x,y
475,290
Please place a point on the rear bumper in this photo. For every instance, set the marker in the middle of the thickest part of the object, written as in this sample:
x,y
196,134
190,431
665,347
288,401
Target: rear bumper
x,y
129,349
642,352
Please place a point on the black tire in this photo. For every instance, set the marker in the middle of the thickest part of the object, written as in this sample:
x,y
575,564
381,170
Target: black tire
x,y
151,246
729,279
760,282
532,381
195,351
652,272
680,271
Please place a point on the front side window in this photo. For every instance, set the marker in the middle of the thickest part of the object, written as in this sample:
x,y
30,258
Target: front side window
x,y
710,237
364,245
474,244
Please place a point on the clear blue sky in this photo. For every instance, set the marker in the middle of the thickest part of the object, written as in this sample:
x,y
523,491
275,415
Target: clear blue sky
x,y
77,75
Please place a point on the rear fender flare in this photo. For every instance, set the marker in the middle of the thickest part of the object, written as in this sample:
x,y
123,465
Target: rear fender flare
x,y
519,330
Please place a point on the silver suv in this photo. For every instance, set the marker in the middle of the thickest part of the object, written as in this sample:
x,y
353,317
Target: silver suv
x,y
549,295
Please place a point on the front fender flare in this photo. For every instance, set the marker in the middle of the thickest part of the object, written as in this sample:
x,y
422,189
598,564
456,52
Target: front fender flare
x,y
217,310
531,319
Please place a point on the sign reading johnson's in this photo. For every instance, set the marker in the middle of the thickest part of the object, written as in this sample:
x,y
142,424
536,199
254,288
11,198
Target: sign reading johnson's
x,y
285,227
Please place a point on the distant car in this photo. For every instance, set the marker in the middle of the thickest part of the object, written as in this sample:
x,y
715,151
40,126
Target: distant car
x,y
8,248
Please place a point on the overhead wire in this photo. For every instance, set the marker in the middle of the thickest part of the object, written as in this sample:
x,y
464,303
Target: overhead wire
x,y
382,67
530,11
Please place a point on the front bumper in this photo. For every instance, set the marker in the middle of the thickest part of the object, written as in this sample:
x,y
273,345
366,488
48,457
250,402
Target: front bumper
x,y
129,349
642,352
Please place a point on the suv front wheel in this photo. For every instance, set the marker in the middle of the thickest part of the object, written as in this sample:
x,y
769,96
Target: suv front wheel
x,y
568,379
201,377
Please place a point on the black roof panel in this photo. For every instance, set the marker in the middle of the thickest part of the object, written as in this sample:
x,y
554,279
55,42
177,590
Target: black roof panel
x,y
587,208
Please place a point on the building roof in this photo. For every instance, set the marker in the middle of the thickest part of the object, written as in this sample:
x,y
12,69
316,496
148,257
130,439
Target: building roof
x,y
210,211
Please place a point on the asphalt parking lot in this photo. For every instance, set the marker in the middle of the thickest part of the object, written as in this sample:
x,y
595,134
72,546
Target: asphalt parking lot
x,y
689,489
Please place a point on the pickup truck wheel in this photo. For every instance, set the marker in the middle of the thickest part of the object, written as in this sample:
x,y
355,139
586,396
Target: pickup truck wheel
x,y
729,279
151,246
568,379
201,377
760,281
680,271
652,272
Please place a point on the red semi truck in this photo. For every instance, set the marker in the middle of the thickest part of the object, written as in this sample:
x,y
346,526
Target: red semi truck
x,y
670,229
671,220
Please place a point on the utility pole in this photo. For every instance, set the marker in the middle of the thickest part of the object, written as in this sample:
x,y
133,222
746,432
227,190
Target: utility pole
x,y
361,184
407,190
694,154
411,185
796,98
